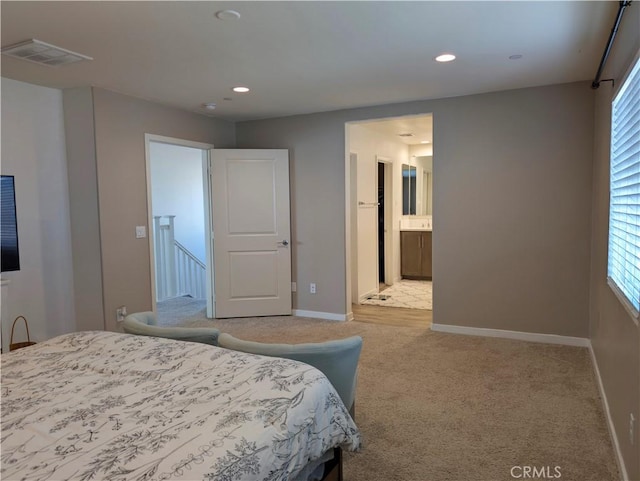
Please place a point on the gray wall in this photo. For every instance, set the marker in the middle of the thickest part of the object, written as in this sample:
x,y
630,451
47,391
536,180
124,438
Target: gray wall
x,y
615,337
512,196
120,125
33,150
316,168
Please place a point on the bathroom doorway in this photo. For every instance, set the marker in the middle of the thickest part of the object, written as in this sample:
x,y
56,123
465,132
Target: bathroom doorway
x,y
375,216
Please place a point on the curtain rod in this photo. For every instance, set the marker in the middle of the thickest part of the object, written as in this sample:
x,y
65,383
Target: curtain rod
x,y
623,4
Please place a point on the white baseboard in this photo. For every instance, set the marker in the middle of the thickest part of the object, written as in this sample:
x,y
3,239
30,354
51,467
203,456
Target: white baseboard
x,y
518,335
330,316
607,412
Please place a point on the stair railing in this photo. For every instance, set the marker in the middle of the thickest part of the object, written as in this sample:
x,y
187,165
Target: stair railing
x,y
190,273
178,271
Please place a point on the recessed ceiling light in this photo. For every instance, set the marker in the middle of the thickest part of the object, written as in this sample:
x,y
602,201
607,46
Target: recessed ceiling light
x,y
209,106
515,57
227,15
445,57
240,89
425,142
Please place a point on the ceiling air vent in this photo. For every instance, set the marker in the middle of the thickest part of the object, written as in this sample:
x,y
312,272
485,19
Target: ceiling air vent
x,y
43,53
407,134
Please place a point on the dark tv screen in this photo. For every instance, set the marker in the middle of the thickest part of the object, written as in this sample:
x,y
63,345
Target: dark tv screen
x,y
10,260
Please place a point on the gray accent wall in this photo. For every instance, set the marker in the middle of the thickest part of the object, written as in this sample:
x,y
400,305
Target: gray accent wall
x,y
120,125
615,337
512,205
316,146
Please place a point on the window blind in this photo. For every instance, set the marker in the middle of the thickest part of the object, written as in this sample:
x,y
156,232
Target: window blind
x,y
624,206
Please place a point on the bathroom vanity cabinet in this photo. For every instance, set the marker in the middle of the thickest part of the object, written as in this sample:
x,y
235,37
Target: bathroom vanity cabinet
x,y
415,254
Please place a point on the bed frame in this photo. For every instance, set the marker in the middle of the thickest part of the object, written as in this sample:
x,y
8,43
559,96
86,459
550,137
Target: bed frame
x,y
333,468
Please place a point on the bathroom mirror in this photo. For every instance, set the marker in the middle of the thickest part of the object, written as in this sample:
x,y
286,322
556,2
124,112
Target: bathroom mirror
x,y
408,189
417,186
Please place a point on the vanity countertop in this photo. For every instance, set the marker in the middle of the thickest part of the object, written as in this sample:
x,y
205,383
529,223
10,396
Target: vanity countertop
x,y
415,229
422,223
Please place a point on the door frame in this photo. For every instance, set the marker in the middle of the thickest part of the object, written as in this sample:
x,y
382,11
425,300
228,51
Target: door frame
x,y
148,138
352,230
388,205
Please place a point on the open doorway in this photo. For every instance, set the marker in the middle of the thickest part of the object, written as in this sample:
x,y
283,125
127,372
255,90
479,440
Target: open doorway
x,y
179,224
246,193
378,215
381,223
384,177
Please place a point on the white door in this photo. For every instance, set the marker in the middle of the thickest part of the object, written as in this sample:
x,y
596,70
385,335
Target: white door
x,y
251,232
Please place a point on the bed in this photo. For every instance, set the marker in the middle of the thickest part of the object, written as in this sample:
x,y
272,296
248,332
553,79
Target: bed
x,y
109,406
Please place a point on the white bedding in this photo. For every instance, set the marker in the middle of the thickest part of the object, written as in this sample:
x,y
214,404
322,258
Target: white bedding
x,y
107,406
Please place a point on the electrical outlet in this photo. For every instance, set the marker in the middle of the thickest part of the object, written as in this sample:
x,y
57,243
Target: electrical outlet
x,y
632,428
312,288
121,313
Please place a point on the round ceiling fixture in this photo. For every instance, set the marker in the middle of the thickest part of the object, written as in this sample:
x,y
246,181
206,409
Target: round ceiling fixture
x,y
240,89
227,15
445,57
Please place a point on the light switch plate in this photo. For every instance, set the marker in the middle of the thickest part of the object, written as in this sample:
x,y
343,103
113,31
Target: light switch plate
x,y
141,231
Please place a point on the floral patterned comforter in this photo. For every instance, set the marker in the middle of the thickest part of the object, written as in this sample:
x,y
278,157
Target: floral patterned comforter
x,y
108,406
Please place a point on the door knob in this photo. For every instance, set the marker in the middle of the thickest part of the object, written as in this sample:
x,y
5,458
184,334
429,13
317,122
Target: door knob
x,y
284,243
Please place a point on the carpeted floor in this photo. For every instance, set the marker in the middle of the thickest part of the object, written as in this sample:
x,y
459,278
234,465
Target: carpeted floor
x,y
441,407
181,309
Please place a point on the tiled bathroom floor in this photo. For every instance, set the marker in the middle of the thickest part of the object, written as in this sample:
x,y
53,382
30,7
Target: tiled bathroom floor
x,y
405,293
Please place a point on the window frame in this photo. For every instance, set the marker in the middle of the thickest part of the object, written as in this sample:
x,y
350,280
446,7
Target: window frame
x,y
622,297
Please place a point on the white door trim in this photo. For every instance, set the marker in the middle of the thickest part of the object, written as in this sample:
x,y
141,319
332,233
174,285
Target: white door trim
x,y
148,138
388,219
347,221
353,234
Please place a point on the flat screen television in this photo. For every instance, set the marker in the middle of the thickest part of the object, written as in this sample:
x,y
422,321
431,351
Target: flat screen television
x,y
10,260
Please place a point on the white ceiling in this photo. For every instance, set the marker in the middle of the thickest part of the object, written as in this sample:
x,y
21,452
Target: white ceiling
x,y
302,57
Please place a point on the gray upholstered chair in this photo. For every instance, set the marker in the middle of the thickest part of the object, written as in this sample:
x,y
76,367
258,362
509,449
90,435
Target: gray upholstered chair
x,y
145,324
338,359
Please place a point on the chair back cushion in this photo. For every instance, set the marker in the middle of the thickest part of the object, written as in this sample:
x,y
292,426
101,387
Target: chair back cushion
x,y
337,359
145,324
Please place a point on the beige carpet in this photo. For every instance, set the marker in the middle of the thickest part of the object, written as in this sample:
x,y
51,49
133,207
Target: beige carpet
x,y
435,407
